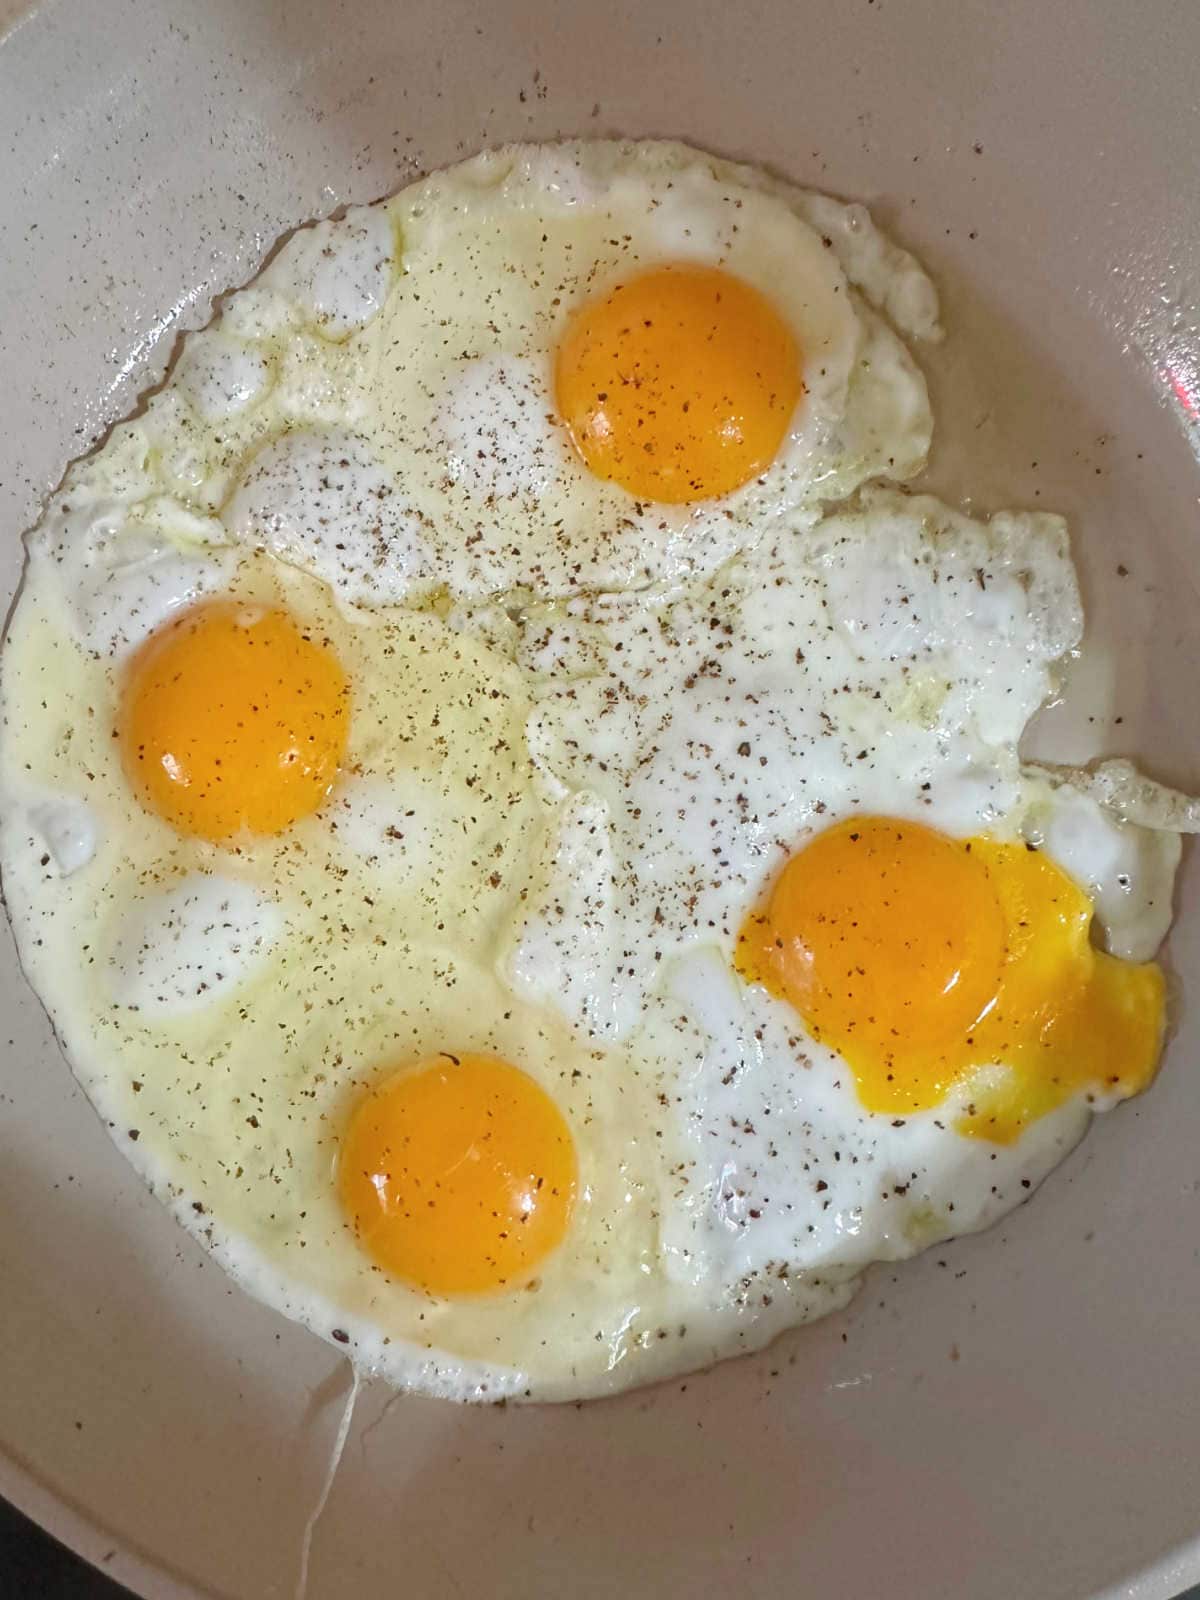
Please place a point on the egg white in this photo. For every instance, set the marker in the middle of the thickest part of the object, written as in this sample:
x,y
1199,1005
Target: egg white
x,y
586,732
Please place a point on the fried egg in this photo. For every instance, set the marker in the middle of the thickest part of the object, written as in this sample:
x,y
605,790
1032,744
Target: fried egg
x,y
516,817
430,372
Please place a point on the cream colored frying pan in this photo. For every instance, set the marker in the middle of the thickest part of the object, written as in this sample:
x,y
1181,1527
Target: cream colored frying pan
x,y
1018,1414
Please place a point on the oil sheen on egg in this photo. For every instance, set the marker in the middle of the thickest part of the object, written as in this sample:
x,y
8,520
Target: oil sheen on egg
x,y
436,729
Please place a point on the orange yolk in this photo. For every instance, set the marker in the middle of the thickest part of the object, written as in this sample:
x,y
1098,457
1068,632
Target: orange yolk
x,y
233,719
928,962
680,384
458,1175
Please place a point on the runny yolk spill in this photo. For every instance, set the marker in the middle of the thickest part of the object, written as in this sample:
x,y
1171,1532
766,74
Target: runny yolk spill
x,y
928,963
458,1175
233,719
680,384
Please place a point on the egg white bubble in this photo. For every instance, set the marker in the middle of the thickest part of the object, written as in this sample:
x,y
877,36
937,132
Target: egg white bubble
x,y
565,950
338,274
322,502
391,824
120,572
220,376
68,829
496,420
1127,868
179,949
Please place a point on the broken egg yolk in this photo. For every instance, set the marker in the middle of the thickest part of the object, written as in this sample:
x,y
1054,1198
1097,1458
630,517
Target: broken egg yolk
x,y
933,965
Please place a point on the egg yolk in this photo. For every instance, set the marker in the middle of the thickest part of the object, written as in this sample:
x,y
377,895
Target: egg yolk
x,y
680,384
928,962
458,1175
232,718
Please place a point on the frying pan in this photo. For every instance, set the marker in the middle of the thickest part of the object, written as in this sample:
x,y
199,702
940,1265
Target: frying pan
x,y
1014,1414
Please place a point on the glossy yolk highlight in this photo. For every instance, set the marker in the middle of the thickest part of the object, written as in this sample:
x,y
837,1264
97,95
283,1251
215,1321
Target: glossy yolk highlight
x,y
232,719
928,962
458,1175
680,384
